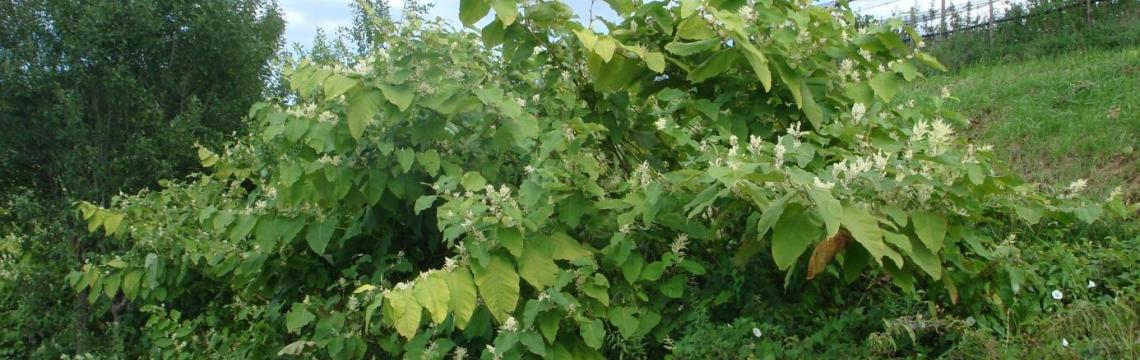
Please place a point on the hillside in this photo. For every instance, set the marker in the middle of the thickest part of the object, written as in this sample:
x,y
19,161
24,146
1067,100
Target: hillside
x,y
1058,119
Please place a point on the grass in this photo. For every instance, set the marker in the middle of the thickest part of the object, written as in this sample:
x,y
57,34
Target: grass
x,y
1058,119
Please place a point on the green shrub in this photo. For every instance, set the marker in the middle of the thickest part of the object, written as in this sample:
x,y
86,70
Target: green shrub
x,y
545,190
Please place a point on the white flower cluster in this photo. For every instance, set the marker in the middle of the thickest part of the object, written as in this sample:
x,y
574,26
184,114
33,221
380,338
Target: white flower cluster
x,y
497,200
307,110
511,325
938,134
846,171
328,117
679,244
330,160
643,175
857,111
1075,188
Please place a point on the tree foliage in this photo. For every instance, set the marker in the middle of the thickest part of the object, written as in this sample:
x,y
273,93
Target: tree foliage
x,y
101,98
543,189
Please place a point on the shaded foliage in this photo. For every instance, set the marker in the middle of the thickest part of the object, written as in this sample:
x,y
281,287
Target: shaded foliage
x,y
101,98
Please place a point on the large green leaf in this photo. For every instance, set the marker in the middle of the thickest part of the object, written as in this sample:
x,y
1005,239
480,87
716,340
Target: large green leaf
x,y
511,239
885,85
593,332
429,160
564,247
298,317
930,228
399,95
926,260
470,11
505,10
361,108
681,48
828,208
337,85
864,227
715,65
498,286
792,235
461,288
655,61
403,312
433,293
537,268
318,235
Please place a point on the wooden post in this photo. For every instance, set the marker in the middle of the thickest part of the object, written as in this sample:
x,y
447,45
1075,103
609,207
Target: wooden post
x,y
1088,11
990,25
942,14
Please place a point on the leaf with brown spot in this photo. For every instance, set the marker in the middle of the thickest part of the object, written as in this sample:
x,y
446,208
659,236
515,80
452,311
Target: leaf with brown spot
x,y
826,251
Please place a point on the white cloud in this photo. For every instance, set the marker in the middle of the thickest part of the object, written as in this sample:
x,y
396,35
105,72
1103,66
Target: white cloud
x,y
293,17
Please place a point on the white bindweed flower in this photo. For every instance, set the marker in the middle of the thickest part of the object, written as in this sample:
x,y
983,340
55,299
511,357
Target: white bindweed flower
x,y
1057,295
1091,284
1064,342
756,332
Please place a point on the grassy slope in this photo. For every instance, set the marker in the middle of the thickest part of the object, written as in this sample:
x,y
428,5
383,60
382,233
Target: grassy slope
x,y
1058,119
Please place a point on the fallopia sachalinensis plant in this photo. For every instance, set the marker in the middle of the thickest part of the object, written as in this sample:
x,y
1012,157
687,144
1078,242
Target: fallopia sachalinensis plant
x,y
547,188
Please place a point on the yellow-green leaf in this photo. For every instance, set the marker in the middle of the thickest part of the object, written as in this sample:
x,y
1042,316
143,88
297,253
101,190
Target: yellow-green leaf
x,y
505,10
399,95
298,317
111,222
884,85
361,108
498,286
655,61
511,239
564,247
473,181
462,290
433,293
537,268
403,312
605,47
336,85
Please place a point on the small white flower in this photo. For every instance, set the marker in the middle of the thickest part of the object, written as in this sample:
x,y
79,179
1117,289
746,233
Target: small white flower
x,y
1064,342
858,110
510,325
1057,295
1077,186
1091,284
824,185
756,332
660,123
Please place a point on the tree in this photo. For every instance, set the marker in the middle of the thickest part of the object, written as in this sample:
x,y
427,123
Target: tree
x,y
102,98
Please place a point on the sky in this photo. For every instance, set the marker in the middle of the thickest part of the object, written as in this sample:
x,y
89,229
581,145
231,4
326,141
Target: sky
x,y
303,17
